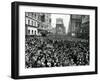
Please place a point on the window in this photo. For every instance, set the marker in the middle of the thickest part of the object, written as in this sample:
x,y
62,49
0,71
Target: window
x,y
49,20
38,24
32,23
35,32
32,31
43,18
28,31
32,15
35,15
28,22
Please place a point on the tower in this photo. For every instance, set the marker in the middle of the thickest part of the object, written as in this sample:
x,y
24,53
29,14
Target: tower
x,y
60,29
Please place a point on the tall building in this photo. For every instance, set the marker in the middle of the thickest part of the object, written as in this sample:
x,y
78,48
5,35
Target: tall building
x,y
84,31
60,29
74,25
79,26
36,22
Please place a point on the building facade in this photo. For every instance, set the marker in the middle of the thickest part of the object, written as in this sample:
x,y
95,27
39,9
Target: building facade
x,y
84,31
34,22
79,26
74,25
60,29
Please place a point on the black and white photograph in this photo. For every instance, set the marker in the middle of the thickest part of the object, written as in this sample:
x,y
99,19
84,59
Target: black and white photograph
x,y
56,40
50,40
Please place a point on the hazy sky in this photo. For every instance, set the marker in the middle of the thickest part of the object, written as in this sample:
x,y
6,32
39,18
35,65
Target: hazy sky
x,y
65,18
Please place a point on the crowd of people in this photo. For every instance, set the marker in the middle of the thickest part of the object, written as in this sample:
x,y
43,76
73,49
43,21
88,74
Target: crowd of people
x,y
43,52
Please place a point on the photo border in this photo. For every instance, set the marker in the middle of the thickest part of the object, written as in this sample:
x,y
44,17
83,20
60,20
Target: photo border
x,y
15,39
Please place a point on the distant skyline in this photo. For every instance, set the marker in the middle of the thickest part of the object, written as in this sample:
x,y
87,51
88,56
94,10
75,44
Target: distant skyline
x,y
66,19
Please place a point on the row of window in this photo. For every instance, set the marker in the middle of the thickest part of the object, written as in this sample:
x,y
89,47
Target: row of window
x,y
33,32
37,16
33,23
33,15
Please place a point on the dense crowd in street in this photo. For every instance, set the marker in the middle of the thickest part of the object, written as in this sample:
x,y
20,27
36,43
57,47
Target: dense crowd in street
x,y
41,52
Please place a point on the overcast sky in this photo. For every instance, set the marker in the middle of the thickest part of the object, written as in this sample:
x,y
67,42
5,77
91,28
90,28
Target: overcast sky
x,y
65,18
